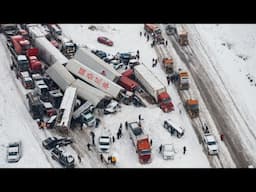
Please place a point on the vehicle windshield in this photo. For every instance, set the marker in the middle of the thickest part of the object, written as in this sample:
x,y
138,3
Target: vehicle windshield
x,y
104,143
212,143
145,152
23,64
195,106
13,153
166,100
89,117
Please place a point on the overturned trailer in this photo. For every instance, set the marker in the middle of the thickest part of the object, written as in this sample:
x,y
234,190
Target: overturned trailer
x,y
48,52
60,75
63,78
97,80
92,61
65,112
89,93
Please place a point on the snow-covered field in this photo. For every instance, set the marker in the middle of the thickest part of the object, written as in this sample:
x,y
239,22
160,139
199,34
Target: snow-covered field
x,y
231,48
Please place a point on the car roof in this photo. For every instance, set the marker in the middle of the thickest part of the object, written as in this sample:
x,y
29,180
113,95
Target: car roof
x,y
210,138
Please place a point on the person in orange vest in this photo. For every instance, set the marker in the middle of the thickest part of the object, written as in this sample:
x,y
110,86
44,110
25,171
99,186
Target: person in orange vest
x,y
113,160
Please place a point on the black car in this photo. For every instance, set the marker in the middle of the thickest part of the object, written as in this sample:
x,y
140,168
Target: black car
x,y
65,141
99,53
50,143
65,160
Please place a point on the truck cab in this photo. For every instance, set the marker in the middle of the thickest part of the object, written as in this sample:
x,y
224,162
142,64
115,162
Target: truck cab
x,y
55,97
84,114
26,80
192,107
165,102
20,63
42,90
140,141
35,106
168,65
88,118
183,81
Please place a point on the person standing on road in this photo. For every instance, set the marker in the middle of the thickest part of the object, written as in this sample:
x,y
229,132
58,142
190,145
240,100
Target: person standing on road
x,y
140,33
101,157
93,136
151,142
126,125
166,43
160,148
89,146
79,158
184,150
113,139
221,137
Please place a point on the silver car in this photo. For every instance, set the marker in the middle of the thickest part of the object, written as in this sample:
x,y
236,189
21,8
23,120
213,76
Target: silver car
x,y
14,152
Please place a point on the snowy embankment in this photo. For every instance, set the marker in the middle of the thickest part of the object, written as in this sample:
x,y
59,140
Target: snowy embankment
x,y
230,50
15,120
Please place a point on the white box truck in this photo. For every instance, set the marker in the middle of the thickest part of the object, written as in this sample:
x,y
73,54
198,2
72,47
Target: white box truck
x,y
154,87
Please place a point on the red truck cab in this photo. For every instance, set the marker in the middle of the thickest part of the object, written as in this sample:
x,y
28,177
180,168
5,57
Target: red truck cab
x,y
165,102
128,83
35,65
20,44
144,150
128,73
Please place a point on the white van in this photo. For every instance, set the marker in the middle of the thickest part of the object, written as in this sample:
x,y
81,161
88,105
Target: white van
x,y
173,128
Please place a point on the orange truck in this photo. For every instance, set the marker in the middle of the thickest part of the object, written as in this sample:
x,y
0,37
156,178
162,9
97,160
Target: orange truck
x,y
140,141
192,107
168,65
152,28
183,81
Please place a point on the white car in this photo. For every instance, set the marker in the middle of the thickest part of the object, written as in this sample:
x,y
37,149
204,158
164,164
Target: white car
x,y
14,152
104,144
112,107
168,151
210,144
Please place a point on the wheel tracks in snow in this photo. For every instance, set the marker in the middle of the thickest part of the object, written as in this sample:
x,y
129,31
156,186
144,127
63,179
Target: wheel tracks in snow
x,y
201,80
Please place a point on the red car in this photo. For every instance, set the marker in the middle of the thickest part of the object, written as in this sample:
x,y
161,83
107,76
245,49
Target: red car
x,y
105,40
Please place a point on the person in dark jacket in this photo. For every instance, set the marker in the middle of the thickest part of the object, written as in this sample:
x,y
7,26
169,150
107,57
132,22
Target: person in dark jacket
x,y
101,157
221,137
184,150
140,33
126,125
79,158
113,139
89,146
160,148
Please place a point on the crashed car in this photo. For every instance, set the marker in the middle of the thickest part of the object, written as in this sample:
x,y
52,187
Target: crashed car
x,y
112,107
64,159
52,142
